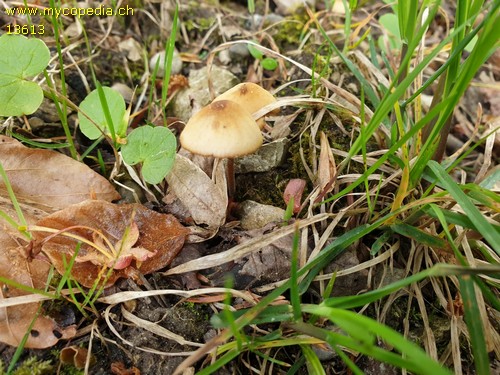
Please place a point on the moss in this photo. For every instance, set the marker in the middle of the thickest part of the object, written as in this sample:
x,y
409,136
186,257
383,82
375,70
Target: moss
x,y
290,30
32,366
266,187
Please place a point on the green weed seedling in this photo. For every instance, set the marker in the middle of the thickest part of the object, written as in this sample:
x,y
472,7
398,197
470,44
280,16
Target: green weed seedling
x,y
267,63
20,59
154,147
390,23
93,119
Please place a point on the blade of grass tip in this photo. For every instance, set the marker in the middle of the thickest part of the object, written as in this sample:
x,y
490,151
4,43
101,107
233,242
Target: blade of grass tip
x,y
415,359
487,293
314,365
67,268
474,325
20,347
392,150
14,202
352,366
107,113
62,109
169,53
485,44
477,218
238,335
370,93
296,366
50,146
25,288
294,286
422,364
349,302
225,359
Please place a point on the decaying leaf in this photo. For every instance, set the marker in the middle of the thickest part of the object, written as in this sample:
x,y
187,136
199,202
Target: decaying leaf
x,y
48,178
122,240
205,200
327,169
271,263
16,320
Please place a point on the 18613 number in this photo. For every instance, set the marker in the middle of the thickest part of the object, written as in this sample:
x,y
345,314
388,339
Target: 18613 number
x,y
26,29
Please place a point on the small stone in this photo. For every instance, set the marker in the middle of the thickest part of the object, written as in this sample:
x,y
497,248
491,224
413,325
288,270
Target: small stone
x,y
176,63
191,99
126,92
255,215
225,57
238,51
269,156
289,7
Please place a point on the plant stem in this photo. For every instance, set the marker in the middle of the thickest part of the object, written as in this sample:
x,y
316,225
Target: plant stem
x,y
231,185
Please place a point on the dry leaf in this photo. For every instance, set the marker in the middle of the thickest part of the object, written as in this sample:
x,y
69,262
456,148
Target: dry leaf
x,y
151,246
271,263
205,200
48,178
327,168
16,320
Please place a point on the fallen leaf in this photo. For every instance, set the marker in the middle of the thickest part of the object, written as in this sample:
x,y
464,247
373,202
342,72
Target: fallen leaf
x,y
15,320
205,199
50,179
294,189
158,239
271,263
327,169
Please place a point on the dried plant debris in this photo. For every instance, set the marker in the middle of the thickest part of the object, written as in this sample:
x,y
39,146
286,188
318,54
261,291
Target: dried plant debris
x,y
116,241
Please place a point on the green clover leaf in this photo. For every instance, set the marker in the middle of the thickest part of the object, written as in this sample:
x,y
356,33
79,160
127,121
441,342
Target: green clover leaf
x,y
92,107
155,147
21,58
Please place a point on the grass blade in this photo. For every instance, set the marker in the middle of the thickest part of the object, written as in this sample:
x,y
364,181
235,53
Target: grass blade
x,y
476,217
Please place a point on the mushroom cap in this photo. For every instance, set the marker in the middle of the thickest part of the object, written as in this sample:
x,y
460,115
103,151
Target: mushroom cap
x,y
223,129
249,95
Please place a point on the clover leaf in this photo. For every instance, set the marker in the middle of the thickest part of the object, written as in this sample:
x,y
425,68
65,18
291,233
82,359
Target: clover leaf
x,y
21,58
155,147
92,107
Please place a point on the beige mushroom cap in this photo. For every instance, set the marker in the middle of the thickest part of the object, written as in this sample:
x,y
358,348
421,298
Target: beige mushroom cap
x,y
249,95
223,129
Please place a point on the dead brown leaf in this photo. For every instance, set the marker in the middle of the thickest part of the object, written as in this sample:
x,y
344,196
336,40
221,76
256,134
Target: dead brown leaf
x,y
15,320
205,199
104,225
48,178
271,263
327,169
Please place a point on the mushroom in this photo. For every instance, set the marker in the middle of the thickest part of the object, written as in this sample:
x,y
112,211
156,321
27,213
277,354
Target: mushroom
x,y
251,96
223,129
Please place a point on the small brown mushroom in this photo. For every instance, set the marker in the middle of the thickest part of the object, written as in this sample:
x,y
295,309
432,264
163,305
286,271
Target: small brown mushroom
x,y
223,129
251,96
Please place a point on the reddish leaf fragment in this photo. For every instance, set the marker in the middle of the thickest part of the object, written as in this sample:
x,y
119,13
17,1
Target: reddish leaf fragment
x,y
153,240
294,189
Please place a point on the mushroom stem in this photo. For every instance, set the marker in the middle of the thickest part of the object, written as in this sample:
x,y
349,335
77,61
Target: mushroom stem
x,y
231,185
